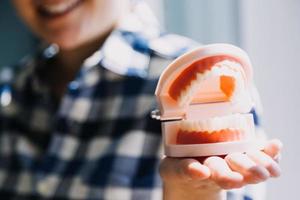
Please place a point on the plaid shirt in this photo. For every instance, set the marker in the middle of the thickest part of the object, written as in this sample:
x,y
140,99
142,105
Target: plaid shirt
x,y
99,141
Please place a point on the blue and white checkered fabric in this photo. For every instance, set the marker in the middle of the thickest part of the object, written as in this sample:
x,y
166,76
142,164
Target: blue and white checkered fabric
x,y
98,142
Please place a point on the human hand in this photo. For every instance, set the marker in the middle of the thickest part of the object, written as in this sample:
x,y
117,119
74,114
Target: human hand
x,y
188,178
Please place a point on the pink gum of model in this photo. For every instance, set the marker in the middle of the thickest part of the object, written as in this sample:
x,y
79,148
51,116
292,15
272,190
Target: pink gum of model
x,y
170,109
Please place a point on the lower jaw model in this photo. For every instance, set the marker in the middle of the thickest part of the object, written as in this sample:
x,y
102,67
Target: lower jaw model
x,y
213,130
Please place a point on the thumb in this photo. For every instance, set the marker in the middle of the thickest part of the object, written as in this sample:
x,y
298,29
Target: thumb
x,y
176,169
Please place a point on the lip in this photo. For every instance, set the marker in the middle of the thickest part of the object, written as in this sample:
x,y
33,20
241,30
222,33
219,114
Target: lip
x,y
45,8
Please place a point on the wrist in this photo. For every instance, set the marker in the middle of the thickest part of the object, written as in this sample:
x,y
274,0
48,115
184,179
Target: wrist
x,y
204,190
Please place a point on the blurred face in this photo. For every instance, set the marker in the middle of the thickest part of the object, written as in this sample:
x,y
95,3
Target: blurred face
x,y
69,23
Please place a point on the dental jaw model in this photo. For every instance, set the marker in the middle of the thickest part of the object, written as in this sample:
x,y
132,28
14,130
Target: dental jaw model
x,y
204,103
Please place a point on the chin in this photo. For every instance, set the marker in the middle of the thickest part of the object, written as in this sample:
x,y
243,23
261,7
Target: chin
x,y
66,41
68,44
71,39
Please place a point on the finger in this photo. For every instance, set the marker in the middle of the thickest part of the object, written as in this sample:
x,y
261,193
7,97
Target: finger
x,y
273,148
265,161
222,175
242,164
173,169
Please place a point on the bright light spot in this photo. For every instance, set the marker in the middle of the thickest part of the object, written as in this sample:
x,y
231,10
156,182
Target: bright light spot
x,y
5,98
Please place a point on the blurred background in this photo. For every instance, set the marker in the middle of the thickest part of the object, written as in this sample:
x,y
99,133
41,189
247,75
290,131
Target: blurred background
x,y
268,30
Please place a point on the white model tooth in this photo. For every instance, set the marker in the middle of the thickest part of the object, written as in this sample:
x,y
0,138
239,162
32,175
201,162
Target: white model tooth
x,y
192,87
226,71
217,71
233,121
187,94
199,77
197,127
188,126
217,124
201,125
243,124
184,126
209,125
206,125
182,96
207,75
191,126
239,122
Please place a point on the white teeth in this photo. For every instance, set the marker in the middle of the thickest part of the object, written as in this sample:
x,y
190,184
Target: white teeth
x,y
226,67
235,121
60,7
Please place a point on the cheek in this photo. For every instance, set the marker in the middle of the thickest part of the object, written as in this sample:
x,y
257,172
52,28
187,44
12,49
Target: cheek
x,y
26,11
74,32
97,18
68,38
91,20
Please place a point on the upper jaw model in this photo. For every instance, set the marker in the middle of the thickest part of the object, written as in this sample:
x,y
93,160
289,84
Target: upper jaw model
x,y
204,103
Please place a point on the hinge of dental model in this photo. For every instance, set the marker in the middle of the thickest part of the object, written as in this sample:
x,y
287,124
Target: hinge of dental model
x,y
155,114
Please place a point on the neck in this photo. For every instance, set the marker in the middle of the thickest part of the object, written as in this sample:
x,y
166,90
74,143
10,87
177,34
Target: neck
x,y
70,61
67,64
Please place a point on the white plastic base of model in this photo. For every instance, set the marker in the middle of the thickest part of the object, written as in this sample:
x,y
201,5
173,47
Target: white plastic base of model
x,y
213,149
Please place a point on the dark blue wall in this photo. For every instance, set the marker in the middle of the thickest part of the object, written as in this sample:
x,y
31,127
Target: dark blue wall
x,y
15,40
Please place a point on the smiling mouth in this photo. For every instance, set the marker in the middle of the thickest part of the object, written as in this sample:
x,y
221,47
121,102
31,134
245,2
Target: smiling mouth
x,y
60,8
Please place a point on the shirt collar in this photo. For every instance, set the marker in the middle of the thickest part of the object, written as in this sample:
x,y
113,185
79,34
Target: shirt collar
x,y
126,51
